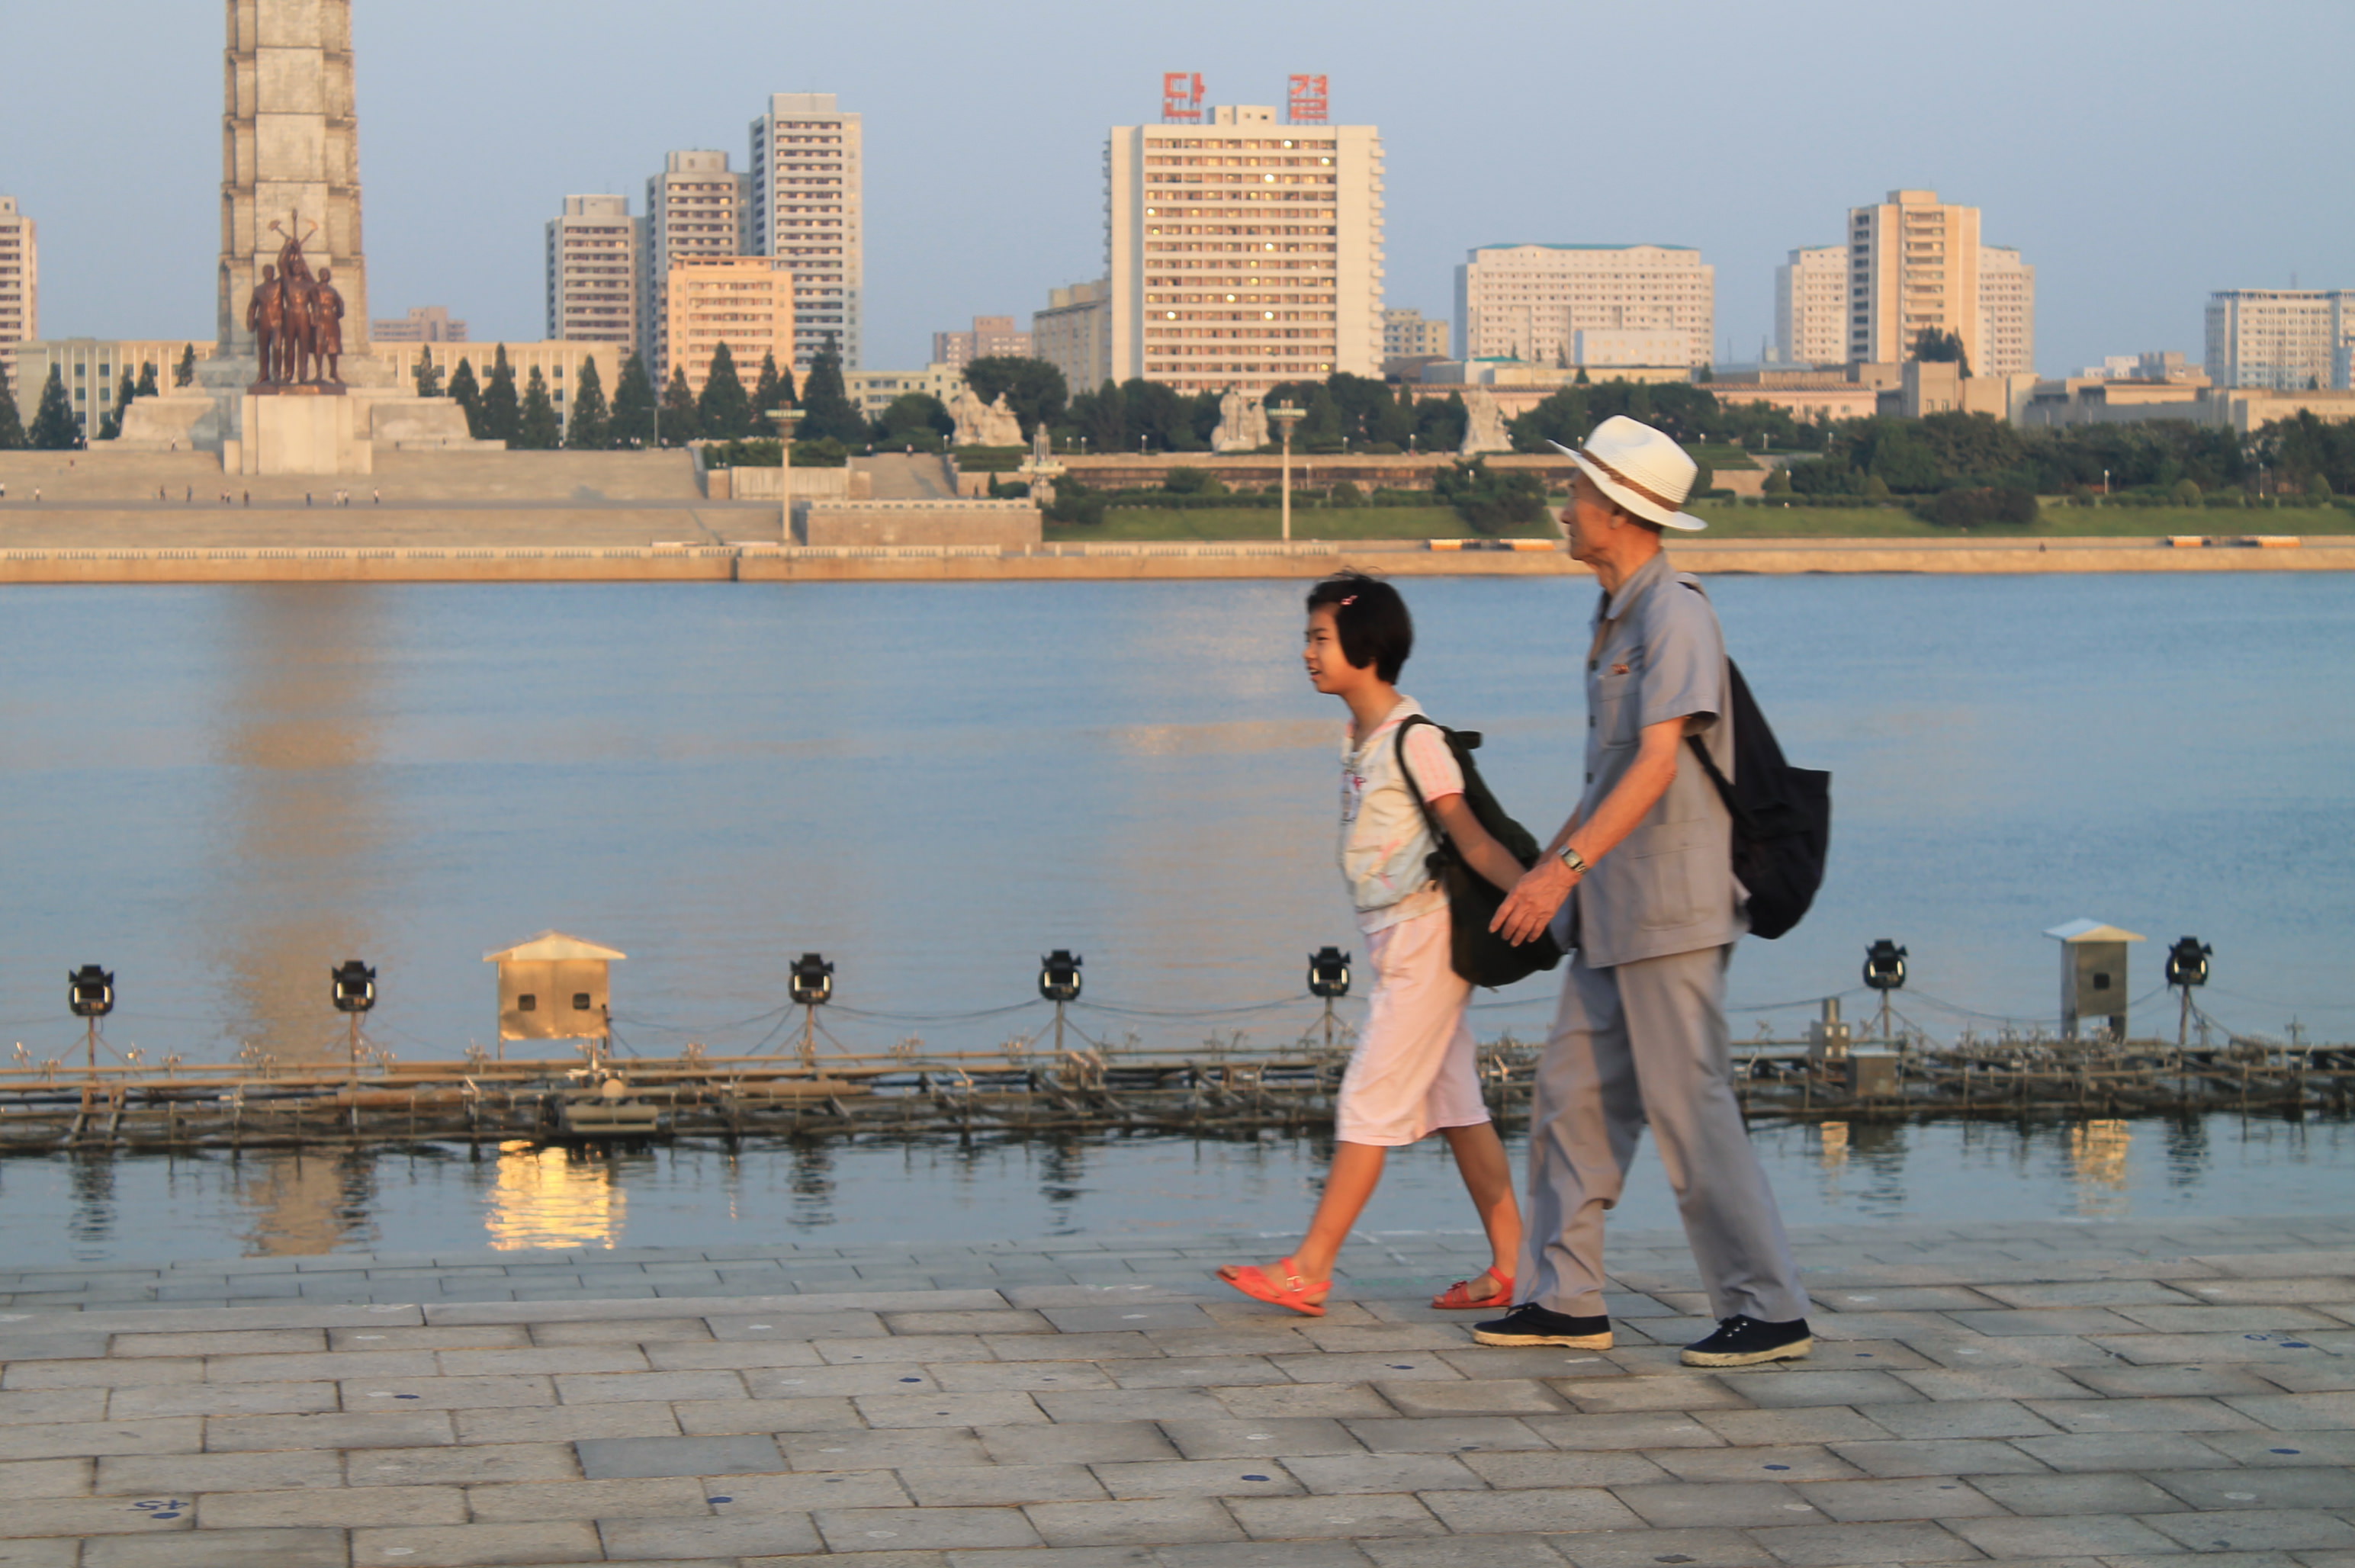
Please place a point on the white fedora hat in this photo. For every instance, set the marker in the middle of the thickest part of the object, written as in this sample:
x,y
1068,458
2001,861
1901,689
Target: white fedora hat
x,y
1641,469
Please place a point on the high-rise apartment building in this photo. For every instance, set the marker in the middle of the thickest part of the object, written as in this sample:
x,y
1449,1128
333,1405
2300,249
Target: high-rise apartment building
x,y
1811,306
696,208
1073,334
20,275
809,210
745,302
592,271
2284,340
423,324
1243,252
1409,335
1529,302
2007,314
991,335
1916,264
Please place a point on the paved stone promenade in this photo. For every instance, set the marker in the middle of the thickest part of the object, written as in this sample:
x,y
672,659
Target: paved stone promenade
x,y
2044,1393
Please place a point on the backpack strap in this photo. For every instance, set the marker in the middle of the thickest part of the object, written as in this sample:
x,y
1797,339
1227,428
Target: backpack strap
x,y
1430,819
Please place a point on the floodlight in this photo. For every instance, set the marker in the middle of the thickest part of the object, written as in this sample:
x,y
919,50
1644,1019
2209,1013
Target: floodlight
x,y
1328,973
90,992
813,980
2186,962
1884,966
1059,976
353,987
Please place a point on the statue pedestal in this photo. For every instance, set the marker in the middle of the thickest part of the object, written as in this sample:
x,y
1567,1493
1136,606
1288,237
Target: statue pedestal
x,y
300,430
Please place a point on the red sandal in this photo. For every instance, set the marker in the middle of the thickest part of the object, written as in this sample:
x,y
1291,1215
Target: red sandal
x,y
1458,1297
1293,1293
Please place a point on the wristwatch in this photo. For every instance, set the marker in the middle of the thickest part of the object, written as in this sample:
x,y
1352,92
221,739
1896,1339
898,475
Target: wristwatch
x,y
1573,860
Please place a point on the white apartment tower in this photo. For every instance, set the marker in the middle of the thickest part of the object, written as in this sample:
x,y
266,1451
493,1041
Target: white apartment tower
x,y
592,271
1530,303
1243,252
2007,312
809,210
696,208
1914,263
2284,340
1811,306
20,275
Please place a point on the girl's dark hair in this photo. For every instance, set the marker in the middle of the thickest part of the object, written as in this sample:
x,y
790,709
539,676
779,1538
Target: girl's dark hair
x,y
1371,619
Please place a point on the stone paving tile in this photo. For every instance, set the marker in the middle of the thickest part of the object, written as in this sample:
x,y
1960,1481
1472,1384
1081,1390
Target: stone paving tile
x,y
373,1429
733,1496
1513,1470
2089,1492
46,1478
2274,1450
1009,1484
211,1549
335,1509
2062,1535
667,1540
2121,1451
883,1450
2257,1529
1837,1545
1924,1496
2309,1488
1643,1548
1909,1457
1534,1512
1198,1478
1341,1400
1686,1392
1808,1463
898,1410
1489,1551
2124,1382
1379,1473
146,1476
2298,1412
1079,1443
2143,1415
564,1423
1962,1418
1152,1522
1733,1504
1973,1354
220,1399
1456,1435
622,1457
727,1417
1259,1439
1862,1387
45,1407
928,1529
994,1377
1642,1429
483,1462
1356,1516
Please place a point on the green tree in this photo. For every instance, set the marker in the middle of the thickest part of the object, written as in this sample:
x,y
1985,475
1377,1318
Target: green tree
x,y
502,409
54,429
110,424
1098,418
429,374
590,428
183,374
1933,347
678,411
1034,389
1489,501
535,426
12,423
1778,481
2185,494
2316,485
1876,488
633,406
827,412
147,387
773,390
468,395
915,419
724,412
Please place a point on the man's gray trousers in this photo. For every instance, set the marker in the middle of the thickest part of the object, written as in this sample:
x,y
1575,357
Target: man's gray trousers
x,y
1636,1042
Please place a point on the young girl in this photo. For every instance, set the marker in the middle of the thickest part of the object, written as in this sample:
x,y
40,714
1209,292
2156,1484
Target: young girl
x,y
1413,1070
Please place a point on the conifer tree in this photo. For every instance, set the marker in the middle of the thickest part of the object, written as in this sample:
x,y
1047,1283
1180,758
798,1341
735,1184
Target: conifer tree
x,y
773,391
679,424
535,426
147,387
428,375
828,412
184,373
633,423
12,423
53,422
467,395
591,427
724,412
109,425
502,410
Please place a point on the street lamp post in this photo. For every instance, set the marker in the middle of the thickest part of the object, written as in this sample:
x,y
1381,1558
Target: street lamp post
x,y
1285,416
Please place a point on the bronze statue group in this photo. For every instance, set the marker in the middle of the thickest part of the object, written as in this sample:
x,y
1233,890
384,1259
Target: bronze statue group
x,y
297,320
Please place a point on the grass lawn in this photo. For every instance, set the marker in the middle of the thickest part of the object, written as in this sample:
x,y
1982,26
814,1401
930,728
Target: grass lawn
x,y
2059,522
1220,524
1724,458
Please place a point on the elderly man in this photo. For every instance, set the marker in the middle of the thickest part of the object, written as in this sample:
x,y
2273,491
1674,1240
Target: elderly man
x,y
1639,885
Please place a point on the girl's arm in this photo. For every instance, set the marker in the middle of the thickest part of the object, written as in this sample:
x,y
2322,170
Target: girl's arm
x,y
1480,850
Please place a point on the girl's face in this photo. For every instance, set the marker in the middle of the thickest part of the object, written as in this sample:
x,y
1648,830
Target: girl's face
x,y
1329,669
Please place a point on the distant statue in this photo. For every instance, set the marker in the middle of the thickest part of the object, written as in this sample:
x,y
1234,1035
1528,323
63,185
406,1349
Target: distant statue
x,y
265,318
999,424
1242,422
298,295
966,408
1484,429
328,328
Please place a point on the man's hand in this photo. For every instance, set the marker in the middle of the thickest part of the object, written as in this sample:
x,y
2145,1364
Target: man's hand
x,y
1530,907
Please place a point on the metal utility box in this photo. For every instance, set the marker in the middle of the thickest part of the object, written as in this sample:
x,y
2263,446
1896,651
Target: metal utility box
x,y
1827,1037
1872,1072
555,988
2092,975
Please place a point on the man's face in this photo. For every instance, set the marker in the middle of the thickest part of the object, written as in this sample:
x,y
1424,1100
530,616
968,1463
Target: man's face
x,y
1588,520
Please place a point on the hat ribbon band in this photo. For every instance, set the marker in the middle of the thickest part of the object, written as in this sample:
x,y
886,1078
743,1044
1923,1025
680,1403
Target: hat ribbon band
x,y
1645,491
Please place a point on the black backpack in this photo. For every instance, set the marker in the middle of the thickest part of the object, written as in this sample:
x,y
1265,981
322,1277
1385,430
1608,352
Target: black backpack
x,y
1477,953
1782,816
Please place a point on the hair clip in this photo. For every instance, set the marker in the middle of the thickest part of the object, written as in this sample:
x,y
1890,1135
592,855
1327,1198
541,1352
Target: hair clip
x,y
1352,599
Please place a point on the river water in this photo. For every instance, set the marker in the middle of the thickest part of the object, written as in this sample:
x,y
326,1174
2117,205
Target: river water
x,y
218,793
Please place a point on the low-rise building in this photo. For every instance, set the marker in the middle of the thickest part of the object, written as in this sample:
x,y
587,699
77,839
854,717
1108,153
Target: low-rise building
x,y
558,364
20,274
991,337
745,302
1073,334
423,324
91,370
874,391
1410,335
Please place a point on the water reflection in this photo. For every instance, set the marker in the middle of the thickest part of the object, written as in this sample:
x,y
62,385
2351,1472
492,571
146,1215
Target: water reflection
x,y
2098,1155
297,1205
554,1198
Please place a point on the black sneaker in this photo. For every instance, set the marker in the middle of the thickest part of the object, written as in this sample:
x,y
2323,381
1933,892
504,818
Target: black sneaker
x,y
1531,1324
1745,1342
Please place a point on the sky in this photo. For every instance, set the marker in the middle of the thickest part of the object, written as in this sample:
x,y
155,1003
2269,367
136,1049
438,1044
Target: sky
x,y
2140,154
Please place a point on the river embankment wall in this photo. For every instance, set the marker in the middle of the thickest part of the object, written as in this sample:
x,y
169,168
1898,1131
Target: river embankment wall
x,y
710,555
